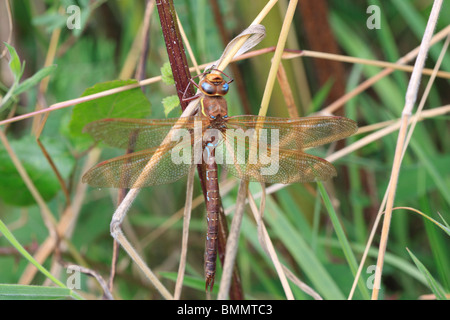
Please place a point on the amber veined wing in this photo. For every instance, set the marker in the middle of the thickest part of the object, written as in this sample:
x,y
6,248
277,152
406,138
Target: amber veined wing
x,y
139,133
295,133
271,164
144,136
140,169
298,133
285,162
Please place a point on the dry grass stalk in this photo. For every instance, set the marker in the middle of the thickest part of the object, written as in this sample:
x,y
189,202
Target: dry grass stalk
x,y
287,92
410,100
267,245
369,82
65,225
184,242
11,27
232,242
355,60
47,215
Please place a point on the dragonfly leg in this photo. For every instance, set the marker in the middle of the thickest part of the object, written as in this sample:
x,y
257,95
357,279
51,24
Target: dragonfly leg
x,y
183,98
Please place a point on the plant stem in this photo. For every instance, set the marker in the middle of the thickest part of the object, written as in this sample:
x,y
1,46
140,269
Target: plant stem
x,y
182,76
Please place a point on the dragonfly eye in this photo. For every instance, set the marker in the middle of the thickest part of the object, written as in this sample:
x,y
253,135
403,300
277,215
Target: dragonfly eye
x,y
225,88
207,88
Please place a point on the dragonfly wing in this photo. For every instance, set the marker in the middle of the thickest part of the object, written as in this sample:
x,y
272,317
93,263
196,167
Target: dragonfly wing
x,y
145,168
273,165
296,133
138,134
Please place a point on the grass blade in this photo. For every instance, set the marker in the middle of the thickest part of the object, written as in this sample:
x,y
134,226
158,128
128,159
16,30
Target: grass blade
x,y
10,237
432,283
345,245
24,292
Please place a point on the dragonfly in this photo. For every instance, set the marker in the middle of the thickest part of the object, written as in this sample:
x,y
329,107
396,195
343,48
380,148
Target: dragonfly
x,y
253,148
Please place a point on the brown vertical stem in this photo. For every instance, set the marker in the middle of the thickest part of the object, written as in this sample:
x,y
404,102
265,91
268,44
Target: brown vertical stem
x,y
55,170
175,49
320,38
182,76
287,92
140,69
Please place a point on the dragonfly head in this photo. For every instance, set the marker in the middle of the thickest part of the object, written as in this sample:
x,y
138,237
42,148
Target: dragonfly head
x,y
214,85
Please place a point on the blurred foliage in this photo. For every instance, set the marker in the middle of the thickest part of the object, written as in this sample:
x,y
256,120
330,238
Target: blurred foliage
x,y
13,189
127,104
92,58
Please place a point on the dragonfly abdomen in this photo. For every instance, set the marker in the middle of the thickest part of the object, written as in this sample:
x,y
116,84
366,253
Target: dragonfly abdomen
x,y
212,216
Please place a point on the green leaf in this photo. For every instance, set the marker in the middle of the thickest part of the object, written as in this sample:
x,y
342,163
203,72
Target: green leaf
x,y
9,290
446,224
432,283
345,245
126,104
23,292
321,96
6,102
13,190
170,103
17,70
35,79
166,74
14,63
51,20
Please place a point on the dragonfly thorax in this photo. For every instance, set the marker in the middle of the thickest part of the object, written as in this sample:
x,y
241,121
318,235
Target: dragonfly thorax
x,y
215,109
213,104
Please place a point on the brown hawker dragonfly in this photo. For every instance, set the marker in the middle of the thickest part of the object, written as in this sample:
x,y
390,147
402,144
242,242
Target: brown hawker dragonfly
x,y
253,148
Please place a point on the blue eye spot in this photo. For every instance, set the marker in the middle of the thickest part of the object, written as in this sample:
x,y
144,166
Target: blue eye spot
x,y
207,88
225,88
